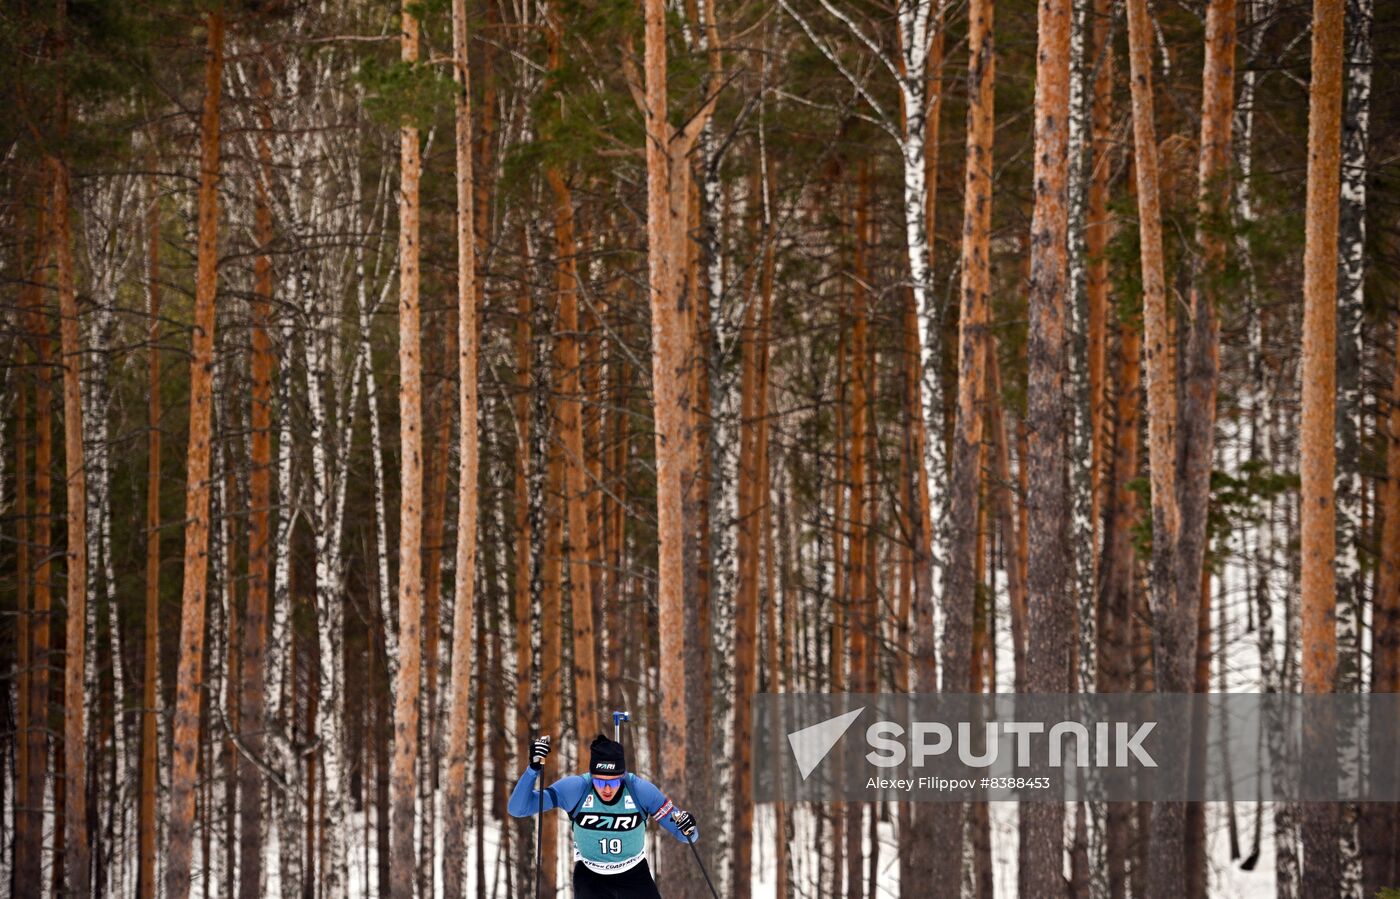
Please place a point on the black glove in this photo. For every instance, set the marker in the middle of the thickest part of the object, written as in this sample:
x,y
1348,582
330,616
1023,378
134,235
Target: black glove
x,y
685,823
539,750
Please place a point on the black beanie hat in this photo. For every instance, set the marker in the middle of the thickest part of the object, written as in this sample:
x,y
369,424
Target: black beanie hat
x,y
606,758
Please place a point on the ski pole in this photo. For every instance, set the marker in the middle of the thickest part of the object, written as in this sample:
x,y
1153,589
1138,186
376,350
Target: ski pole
x,y
618,718
539,823
539,838
696,852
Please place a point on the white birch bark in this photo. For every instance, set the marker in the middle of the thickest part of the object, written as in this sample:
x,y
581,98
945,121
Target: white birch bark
x,y
1350,344
109,243
1081,467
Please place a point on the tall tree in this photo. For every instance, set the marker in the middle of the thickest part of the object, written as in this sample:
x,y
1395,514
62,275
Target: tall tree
x,y
77,858
1202,361
189,684
668,178
30,832
406,688
253,703
752,502
454,836
1048,567
1317,465
146,824
1097,230
25,860
973,319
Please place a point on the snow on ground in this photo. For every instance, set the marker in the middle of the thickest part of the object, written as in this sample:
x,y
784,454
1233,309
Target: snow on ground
x,y
1226,879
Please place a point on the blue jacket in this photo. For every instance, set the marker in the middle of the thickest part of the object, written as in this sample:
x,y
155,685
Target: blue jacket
x,y
568,792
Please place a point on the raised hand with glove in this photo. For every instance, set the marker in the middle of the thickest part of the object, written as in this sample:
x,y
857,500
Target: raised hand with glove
x,y
539,751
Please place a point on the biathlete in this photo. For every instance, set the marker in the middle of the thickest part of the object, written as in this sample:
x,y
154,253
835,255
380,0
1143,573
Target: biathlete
x,y
608,807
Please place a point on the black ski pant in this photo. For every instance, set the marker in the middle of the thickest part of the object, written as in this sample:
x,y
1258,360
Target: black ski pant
x,y
634,883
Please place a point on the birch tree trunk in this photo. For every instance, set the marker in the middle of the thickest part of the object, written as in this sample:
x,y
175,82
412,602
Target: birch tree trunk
x,y
1351,356
191,666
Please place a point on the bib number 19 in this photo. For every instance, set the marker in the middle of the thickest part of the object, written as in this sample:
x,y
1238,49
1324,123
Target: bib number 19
x,y
613,846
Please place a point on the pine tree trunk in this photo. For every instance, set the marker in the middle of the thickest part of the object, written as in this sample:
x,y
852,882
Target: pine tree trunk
x,y
191,666
76,855
566,351
551,655
752,503
1007,522
857,619
454,833
973,339
1317,526
1201,378
253,708
27,821
406,688
1097,230
668,177
1117,586
146,826
973,316
1048,666
523,579
31,853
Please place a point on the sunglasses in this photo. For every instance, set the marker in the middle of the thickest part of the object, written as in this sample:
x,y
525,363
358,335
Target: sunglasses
x,y
607,783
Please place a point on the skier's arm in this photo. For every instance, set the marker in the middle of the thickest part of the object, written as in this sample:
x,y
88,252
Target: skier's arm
x,y
563,793
655,803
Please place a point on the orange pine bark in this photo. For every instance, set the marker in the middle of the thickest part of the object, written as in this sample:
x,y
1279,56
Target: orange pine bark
x,y
1097,230
402,779
858,618
972,352
523,596
753,492
455,823
77,856
1048,570
668,174
1318,463
189,688
30,829
253,709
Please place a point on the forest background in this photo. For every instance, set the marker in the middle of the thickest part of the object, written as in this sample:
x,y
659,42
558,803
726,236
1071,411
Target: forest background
x,y
807,346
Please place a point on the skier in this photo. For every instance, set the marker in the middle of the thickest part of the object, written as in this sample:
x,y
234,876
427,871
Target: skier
x,y
606,806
